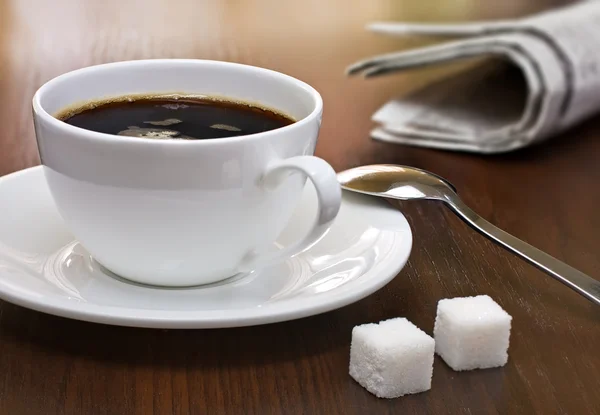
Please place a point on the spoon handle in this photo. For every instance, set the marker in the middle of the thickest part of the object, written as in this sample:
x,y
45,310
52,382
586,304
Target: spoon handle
x,y
577,280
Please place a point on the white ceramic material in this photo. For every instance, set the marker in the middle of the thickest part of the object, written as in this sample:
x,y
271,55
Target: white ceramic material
x,y
178,212
43,267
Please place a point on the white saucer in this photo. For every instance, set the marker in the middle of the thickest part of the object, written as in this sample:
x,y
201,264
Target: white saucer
x,y
43,268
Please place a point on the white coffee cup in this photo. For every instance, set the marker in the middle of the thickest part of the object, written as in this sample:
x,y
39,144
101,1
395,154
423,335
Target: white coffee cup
x,y
179,212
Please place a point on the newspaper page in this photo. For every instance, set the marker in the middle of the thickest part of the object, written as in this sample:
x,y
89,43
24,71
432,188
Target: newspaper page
x,y
492,109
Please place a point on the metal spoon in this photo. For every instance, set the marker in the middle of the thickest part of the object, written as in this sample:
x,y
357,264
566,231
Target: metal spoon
x,y
409,183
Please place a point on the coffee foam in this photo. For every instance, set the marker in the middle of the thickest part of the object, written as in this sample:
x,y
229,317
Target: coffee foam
x,y
80,107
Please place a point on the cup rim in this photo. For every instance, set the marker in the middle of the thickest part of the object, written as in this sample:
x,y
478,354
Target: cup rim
x,y
41,112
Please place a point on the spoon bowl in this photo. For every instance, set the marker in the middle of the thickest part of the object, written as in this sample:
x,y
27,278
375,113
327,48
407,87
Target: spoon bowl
x,y
398,182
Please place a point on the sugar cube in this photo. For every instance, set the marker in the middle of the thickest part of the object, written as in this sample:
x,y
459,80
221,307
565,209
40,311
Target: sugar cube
x,y
392,358
472,333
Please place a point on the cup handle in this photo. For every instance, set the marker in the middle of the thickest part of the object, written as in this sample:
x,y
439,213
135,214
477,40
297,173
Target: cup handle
x,y
329,194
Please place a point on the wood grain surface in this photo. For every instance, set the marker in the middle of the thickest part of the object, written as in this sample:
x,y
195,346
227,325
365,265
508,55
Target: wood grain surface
x,y
547,195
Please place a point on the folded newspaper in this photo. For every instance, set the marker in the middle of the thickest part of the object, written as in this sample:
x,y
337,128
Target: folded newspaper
x,y
542,77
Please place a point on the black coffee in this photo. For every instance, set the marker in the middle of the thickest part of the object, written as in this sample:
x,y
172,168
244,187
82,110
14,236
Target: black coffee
x,y
184,118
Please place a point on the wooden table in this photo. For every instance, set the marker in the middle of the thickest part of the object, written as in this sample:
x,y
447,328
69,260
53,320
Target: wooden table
x,y
548,196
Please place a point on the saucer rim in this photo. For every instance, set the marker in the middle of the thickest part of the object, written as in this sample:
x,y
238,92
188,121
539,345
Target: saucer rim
x,y
284,310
